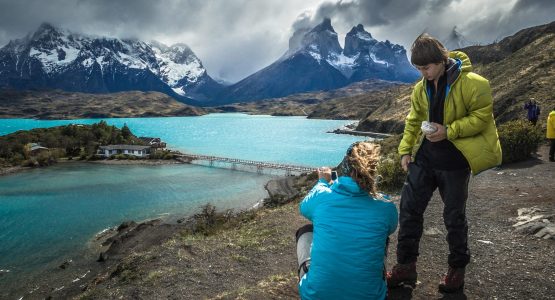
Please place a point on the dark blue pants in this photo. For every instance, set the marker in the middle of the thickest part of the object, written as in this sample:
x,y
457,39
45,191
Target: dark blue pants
x,y
417,192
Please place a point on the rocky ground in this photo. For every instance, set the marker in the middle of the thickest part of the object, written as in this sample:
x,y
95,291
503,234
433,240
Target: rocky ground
x,y
252,256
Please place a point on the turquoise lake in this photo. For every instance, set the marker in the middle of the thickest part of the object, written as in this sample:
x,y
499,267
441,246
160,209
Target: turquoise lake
x,y
47,215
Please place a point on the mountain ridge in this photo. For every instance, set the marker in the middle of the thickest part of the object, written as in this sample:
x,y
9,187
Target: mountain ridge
x,y
316,61
57,58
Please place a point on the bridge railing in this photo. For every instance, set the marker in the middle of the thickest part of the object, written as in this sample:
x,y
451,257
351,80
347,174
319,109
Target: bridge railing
x,y
260,165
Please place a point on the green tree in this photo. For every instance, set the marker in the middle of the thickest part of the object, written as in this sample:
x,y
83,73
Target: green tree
x,y
125,132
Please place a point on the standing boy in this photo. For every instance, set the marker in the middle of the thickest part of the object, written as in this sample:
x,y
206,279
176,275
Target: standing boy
x,y
459,106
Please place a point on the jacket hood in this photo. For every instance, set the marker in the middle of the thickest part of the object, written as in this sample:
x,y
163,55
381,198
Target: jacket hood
x,y
466,65
458,63
347,186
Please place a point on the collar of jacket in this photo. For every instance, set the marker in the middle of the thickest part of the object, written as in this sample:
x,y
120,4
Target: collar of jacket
x,y
346,185
452,71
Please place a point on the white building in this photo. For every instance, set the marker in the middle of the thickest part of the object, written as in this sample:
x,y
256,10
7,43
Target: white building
x,y
136,150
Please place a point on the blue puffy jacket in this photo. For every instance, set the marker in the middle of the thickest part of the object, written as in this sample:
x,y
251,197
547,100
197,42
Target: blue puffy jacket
x,y
350,233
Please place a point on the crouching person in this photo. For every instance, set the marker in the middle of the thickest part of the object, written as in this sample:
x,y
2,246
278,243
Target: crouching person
x,y
341,255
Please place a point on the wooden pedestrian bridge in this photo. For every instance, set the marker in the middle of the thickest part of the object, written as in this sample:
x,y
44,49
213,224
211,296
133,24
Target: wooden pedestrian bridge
x,y
260,166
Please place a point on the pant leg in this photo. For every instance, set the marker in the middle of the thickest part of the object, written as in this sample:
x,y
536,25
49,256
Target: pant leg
x,y
304,246
453,187
415,196
552,149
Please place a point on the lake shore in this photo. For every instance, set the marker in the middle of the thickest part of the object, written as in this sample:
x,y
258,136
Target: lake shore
x,y
5,171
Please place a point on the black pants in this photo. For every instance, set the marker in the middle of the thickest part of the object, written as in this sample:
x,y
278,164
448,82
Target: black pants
x,y
533,121
552,149
417,192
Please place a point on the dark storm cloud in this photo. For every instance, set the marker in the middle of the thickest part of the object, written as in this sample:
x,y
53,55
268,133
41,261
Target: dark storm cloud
x,y
235,38
374,13
523,14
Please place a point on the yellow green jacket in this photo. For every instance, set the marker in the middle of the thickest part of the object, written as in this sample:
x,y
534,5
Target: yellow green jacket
x,y
468,116
551,125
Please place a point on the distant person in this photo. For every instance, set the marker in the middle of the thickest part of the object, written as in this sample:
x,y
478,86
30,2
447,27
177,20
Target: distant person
x,y
551,134
533,111
460,138
341,255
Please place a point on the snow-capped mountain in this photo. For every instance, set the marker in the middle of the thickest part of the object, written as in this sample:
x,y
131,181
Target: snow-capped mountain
x,y
56,58
316,61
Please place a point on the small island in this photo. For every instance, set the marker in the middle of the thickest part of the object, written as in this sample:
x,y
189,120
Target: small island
x,y
45,146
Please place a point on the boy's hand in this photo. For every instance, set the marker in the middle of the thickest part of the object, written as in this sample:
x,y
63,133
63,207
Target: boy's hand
x,y
405,160
439,135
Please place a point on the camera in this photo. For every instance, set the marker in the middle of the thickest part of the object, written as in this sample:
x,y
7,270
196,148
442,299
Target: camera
x,y
333,175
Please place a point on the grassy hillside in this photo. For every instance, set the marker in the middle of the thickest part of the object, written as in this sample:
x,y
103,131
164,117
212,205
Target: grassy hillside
x,y
56,104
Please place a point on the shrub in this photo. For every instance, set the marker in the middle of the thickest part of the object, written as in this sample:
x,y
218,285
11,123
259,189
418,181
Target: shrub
x,y
208,221
124,156
45,159
31,162
519,139
162,154
390,144
391,172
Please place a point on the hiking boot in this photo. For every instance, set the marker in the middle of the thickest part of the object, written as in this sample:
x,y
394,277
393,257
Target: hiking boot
x,y
401,274
453,281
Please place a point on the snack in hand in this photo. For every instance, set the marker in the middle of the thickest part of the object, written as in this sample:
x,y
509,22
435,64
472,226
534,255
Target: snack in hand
x,y
428,128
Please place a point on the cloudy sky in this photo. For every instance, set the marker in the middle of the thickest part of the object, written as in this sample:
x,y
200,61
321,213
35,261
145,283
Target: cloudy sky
x,y
235,38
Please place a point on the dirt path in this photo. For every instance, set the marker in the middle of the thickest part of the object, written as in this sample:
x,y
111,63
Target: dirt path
x,y
504,264
255,258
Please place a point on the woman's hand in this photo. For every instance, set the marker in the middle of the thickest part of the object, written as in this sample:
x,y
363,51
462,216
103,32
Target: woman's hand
x,y
324,173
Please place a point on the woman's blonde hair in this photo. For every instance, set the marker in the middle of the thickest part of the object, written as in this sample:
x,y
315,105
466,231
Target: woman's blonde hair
x,y
363,158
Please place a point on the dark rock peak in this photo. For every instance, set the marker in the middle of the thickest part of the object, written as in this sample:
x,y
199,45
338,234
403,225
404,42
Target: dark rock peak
x,y
359,29
324,26
357,41
455,33
46,27
46,34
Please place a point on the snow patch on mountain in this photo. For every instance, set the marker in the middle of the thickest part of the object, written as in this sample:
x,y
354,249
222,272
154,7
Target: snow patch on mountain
x,y
377,60
364,36
179,91
131,62
53,60
343,63
172,72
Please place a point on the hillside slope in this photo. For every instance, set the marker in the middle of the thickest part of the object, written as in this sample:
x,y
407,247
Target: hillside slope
x,y
56,104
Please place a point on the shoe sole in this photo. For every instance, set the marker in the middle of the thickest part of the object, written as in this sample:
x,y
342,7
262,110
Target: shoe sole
x,y
448,290
401,283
